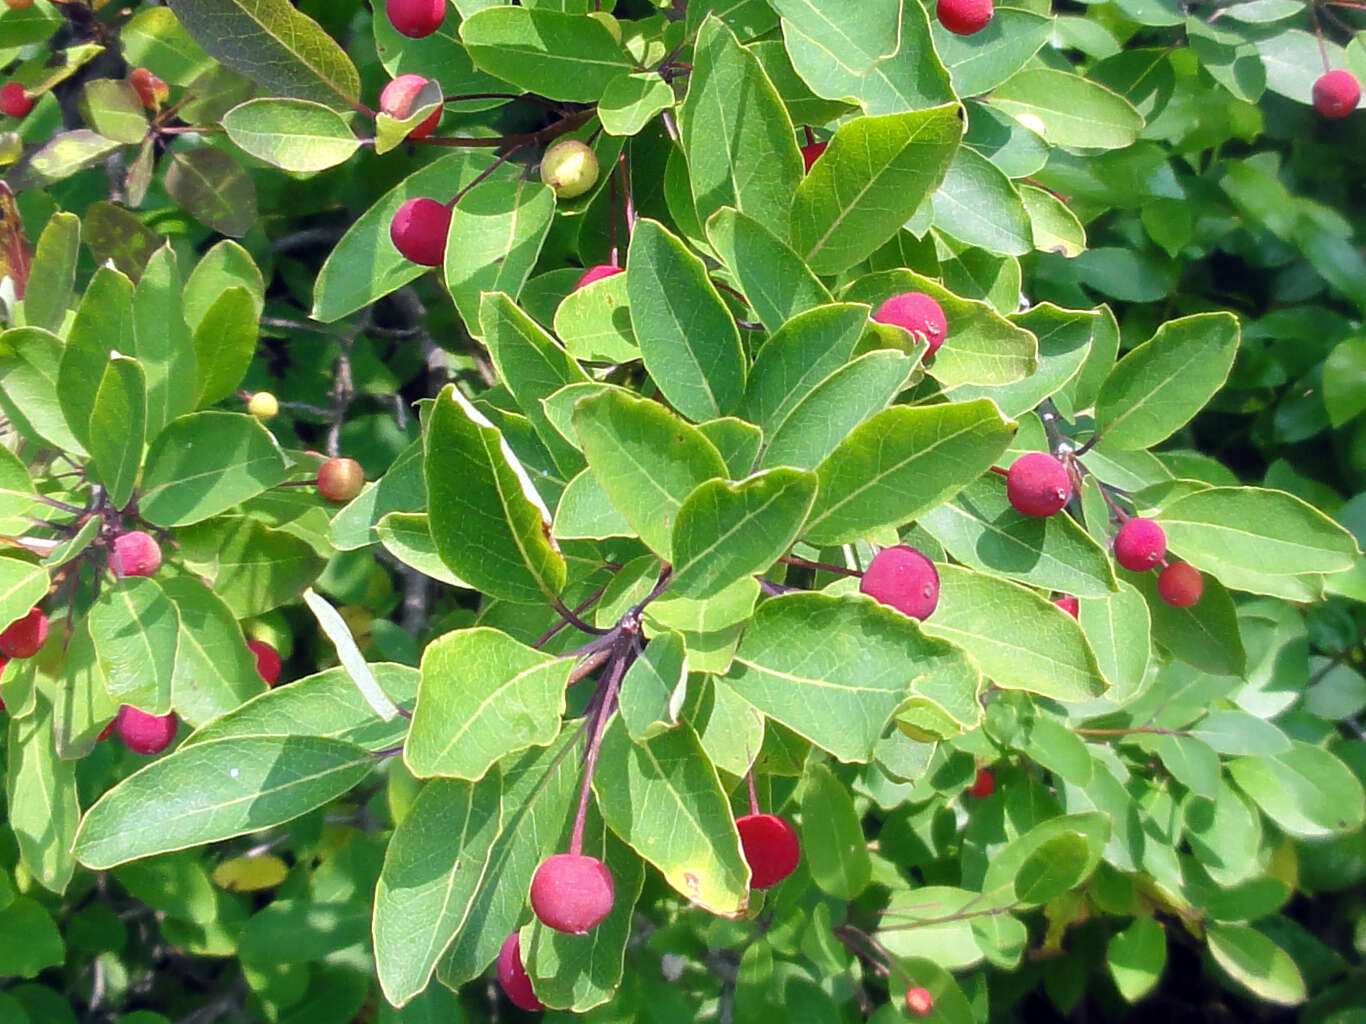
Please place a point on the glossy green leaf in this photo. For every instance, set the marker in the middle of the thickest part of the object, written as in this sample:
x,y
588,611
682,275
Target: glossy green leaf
x,y
204,463
1204,635
1256,962
978,205
833,845
557,55
22,585
112,107
53,270
594,322
654,687
214,671
775,280
294,135
1064,341
1136,957
164,344
632,100
253,568
136,631
1305,790
1053,227
118,420
798,356
1117,628
1070,110
213,187
103,324
40,797
497,229
982,61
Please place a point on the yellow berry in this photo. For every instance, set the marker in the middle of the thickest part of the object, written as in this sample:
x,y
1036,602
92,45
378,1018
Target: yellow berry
x,y
263,405
570,168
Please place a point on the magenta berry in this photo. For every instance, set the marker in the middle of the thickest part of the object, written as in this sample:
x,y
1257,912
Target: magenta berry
x,y
1140,544
1180,584
983,785
771,848
572,892
268,662
15,100
1070,605
1038,484
144,733
919,1002
597,273
25,638
513,977
419,230
416,18
397,98
1336,93
917,313
964,17
903,578
135,553
811,152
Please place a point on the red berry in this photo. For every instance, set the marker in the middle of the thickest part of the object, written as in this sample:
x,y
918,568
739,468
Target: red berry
x,y
811,152
151,90
513,976
919,1002
14,100
572,892
917,313
397,101
1140,544
419,231
597,274
1070,605
902,577
25,638
771,848
135,553
268,661
1038,484
1336,93
984,785
416,18
144,733
340,479
1180,584
964,17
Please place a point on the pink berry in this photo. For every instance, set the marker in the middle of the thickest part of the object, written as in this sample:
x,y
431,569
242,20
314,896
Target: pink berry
x,y
1140,544
771,848
917,313
919,1002
1070,605
811,152
1180,584
397,98
903,578
268,661
143,733
14,100
964,17
416,18
597,274
340,479
1038,484
25,638
513,977
135,553
419,230
983,785
572,892
1336,93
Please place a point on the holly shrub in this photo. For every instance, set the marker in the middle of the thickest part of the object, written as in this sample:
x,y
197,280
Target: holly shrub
x,y
739,511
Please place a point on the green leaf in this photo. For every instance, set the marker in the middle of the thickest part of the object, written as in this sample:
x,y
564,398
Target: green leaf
x,y
17,493
81,705
725,531
252,567
647,460
489,524
136,631
1057,866
833,844
164,346
29,939
154,38
594,322
1064,341
1053,227
631,101
213,187
103,324
22,585
1157,387
1256,962
654,688
982,61
1010,862
586,512
117,424
902,463
1137,956
1205,635
281,49
663,798
225,266
215,671
40,797
1237,732
800,354
775,280
1257,531
981,529
364,265
1021,640
33,24
1305,790
1057,748
1072,111
1117,627
978,205
112,107
498,228
556,55
483,696
936,925
205,463
1191,762
835,669
216,790
294,135
740,146
53,271
685,331
115,235
1225,834
736,440
875,174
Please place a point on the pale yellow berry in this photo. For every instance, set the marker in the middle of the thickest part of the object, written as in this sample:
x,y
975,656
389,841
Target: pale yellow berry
x,y
263,405
570,168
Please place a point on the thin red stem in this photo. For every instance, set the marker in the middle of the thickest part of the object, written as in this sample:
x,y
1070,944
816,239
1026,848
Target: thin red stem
x,y
753,796
611,687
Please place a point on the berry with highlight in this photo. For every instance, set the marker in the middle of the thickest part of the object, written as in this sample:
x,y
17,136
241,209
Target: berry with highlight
x,y
419,230
771,847
1180,584
1140,544
572,892
397,100
135,553
902,577
143,733
416,18
25,638
513,977
964,17
918,313
1038,485
1336,93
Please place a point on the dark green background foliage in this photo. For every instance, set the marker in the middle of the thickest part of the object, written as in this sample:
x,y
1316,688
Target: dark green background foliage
x,y
1145,241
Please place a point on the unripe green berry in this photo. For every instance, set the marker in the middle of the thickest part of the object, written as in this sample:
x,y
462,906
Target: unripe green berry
x,y
570,168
